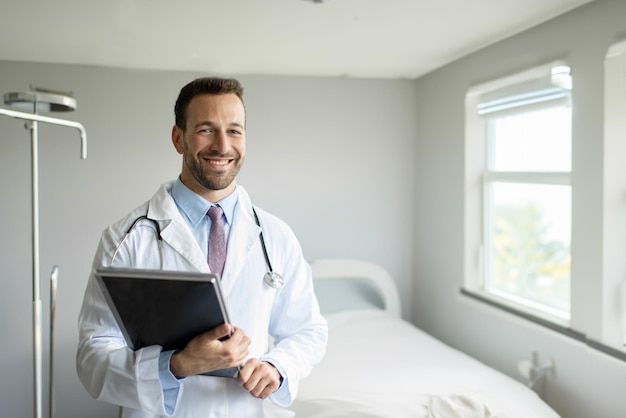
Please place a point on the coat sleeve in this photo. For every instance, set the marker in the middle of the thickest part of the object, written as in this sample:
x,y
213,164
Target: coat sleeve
x,y
106,366
299,330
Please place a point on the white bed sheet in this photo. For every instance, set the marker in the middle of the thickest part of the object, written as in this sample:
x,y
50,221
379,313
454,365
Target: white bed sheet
x,y
378,365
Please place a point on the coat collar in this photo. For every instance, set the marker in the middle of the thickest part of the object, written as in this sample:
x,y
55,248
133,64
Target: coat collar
x,y
175,232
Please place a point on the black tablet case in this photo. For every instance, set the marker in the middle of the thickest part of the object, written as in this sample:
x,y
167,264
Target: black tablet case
x,y
154,307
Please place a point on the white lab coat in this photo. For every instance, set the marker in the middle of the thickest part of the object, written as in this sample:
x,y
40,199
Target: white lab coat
x,y
113,373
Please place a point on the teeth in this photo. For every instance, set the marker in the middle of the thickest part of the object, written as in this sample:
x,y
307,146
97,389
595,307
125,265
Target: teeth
x,y
218,162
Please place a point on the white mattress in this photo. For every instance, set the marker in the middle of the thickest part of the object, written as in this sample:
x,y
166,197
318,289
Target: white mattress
x,y
378,365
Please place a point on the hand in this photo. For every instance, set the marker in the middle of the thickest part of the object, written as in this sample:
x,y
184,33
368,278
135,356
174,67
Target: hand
x,y
260,378
207,352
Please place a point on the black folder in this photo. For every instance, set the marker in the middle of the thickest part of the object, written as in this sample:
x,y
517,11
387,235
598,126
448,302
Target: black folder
x,y
166,308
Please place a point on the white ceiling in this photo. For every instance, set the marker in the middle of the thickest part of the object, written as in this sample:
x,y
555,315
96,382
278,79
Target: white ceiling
x,y
352,38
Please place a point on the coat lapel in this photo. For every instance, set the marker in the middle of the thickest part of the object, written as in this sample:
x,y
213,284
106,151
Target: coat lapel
x,y
244,233
174,229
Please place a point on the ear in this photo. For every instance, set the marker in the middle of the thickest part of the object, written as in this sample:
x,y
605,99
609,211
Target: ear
x,y
177,138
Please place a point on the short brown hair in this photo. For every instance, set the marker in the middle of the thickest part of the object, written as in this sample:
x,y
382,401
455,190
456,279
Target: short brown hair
x,y
204,85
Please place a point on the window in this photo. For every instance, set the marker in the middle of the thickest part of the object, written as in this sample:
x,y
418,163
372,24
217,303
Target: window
x,y
518,166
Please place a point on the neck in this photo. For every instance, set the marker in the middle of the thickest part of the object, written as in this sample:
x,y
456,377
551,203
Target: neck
x,y
212,196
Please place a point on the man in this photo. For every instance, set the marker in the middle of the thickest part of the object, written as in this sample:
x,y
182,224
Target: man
x,y
149,382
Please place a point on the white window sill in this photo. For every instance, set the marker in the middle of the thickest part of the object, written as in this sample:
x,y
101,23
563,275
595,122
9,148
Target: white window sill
x,y
565,330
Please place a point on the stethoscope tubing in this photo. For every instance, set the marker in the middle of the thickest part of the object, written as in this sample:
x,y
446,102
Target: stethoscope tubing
x,y
154,222
267,257
271,278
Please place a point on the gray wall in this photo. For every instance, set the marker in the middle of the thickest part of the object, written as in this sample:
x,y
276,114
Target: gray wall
x,y
329,156
586,383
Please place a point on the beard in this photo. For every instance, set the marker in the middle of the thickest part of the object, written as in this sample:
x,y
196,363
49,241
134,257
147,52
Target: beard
x,y
209,178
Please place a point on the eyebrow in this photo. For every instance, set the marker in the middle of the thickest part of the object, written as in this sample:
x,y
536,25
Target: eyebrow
x,y
211,123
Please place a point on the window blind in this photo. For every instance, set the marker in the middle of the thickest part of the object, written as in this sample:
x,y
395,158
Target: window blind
x,y
546,90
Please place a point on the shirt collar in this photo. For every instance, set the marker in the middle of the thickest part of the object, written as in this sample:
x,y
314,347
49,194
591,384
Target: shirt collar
x,y
195,207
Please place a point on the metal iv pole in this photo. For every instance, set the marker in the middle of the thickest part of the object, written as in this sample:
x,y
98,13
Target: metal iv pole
x,y
44,100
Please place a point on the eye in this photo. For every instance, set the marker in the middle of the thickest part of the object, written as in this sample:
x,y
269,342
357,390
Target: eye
x,y
205,131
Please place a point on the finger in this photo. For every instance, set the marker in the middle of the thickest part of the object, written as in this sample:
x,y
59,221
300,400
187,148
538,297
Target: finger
x,y
264,387
246,371
238,341
235,350
253,384
221,332
259,378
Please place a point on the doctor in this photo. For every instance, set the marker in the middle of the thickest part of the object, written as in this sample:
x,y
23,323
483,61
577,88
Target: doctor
x,y
209,133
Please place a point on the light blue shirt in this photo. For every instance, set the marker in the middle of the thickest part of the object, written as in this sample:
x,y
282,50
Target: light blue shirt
x,y
194,209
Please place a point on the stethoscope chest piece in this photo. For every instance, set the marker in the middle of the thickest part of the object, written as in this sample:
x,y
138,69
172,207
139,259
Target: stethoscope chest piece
x,y
273,279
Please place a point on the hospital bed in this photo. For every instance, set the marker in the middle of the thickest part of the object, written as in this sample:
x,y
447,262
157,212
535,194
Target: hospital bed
x,y
378,365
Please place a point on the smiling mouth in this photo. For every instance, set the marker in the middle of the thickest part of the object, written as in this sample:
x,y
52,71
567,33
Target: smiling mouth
x,y
217,163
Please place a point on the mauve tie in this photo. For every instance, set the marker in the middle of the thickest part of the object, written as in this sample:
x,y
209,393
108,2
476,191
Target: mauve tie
x,y
217,241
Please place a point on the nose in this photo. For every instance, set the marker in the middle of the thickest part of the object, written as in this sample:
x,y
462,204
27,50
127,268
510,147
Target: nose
x,y
221,142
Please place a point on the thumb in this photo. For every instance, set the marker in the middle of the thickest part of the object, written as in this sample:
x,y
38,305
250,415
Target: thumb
x,y
221,332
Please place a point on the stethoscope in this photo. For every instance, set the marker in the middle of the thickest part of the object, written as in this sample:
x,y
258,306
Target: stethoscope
x,y
271,278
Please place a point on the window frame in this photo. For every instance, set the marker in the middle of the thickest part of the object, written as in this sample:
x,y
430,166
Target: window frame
x,y
479,177
613,297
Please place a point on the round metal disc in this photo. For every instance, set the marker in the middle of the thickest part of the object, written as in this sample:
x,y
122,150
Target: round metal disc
x,y
273,279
